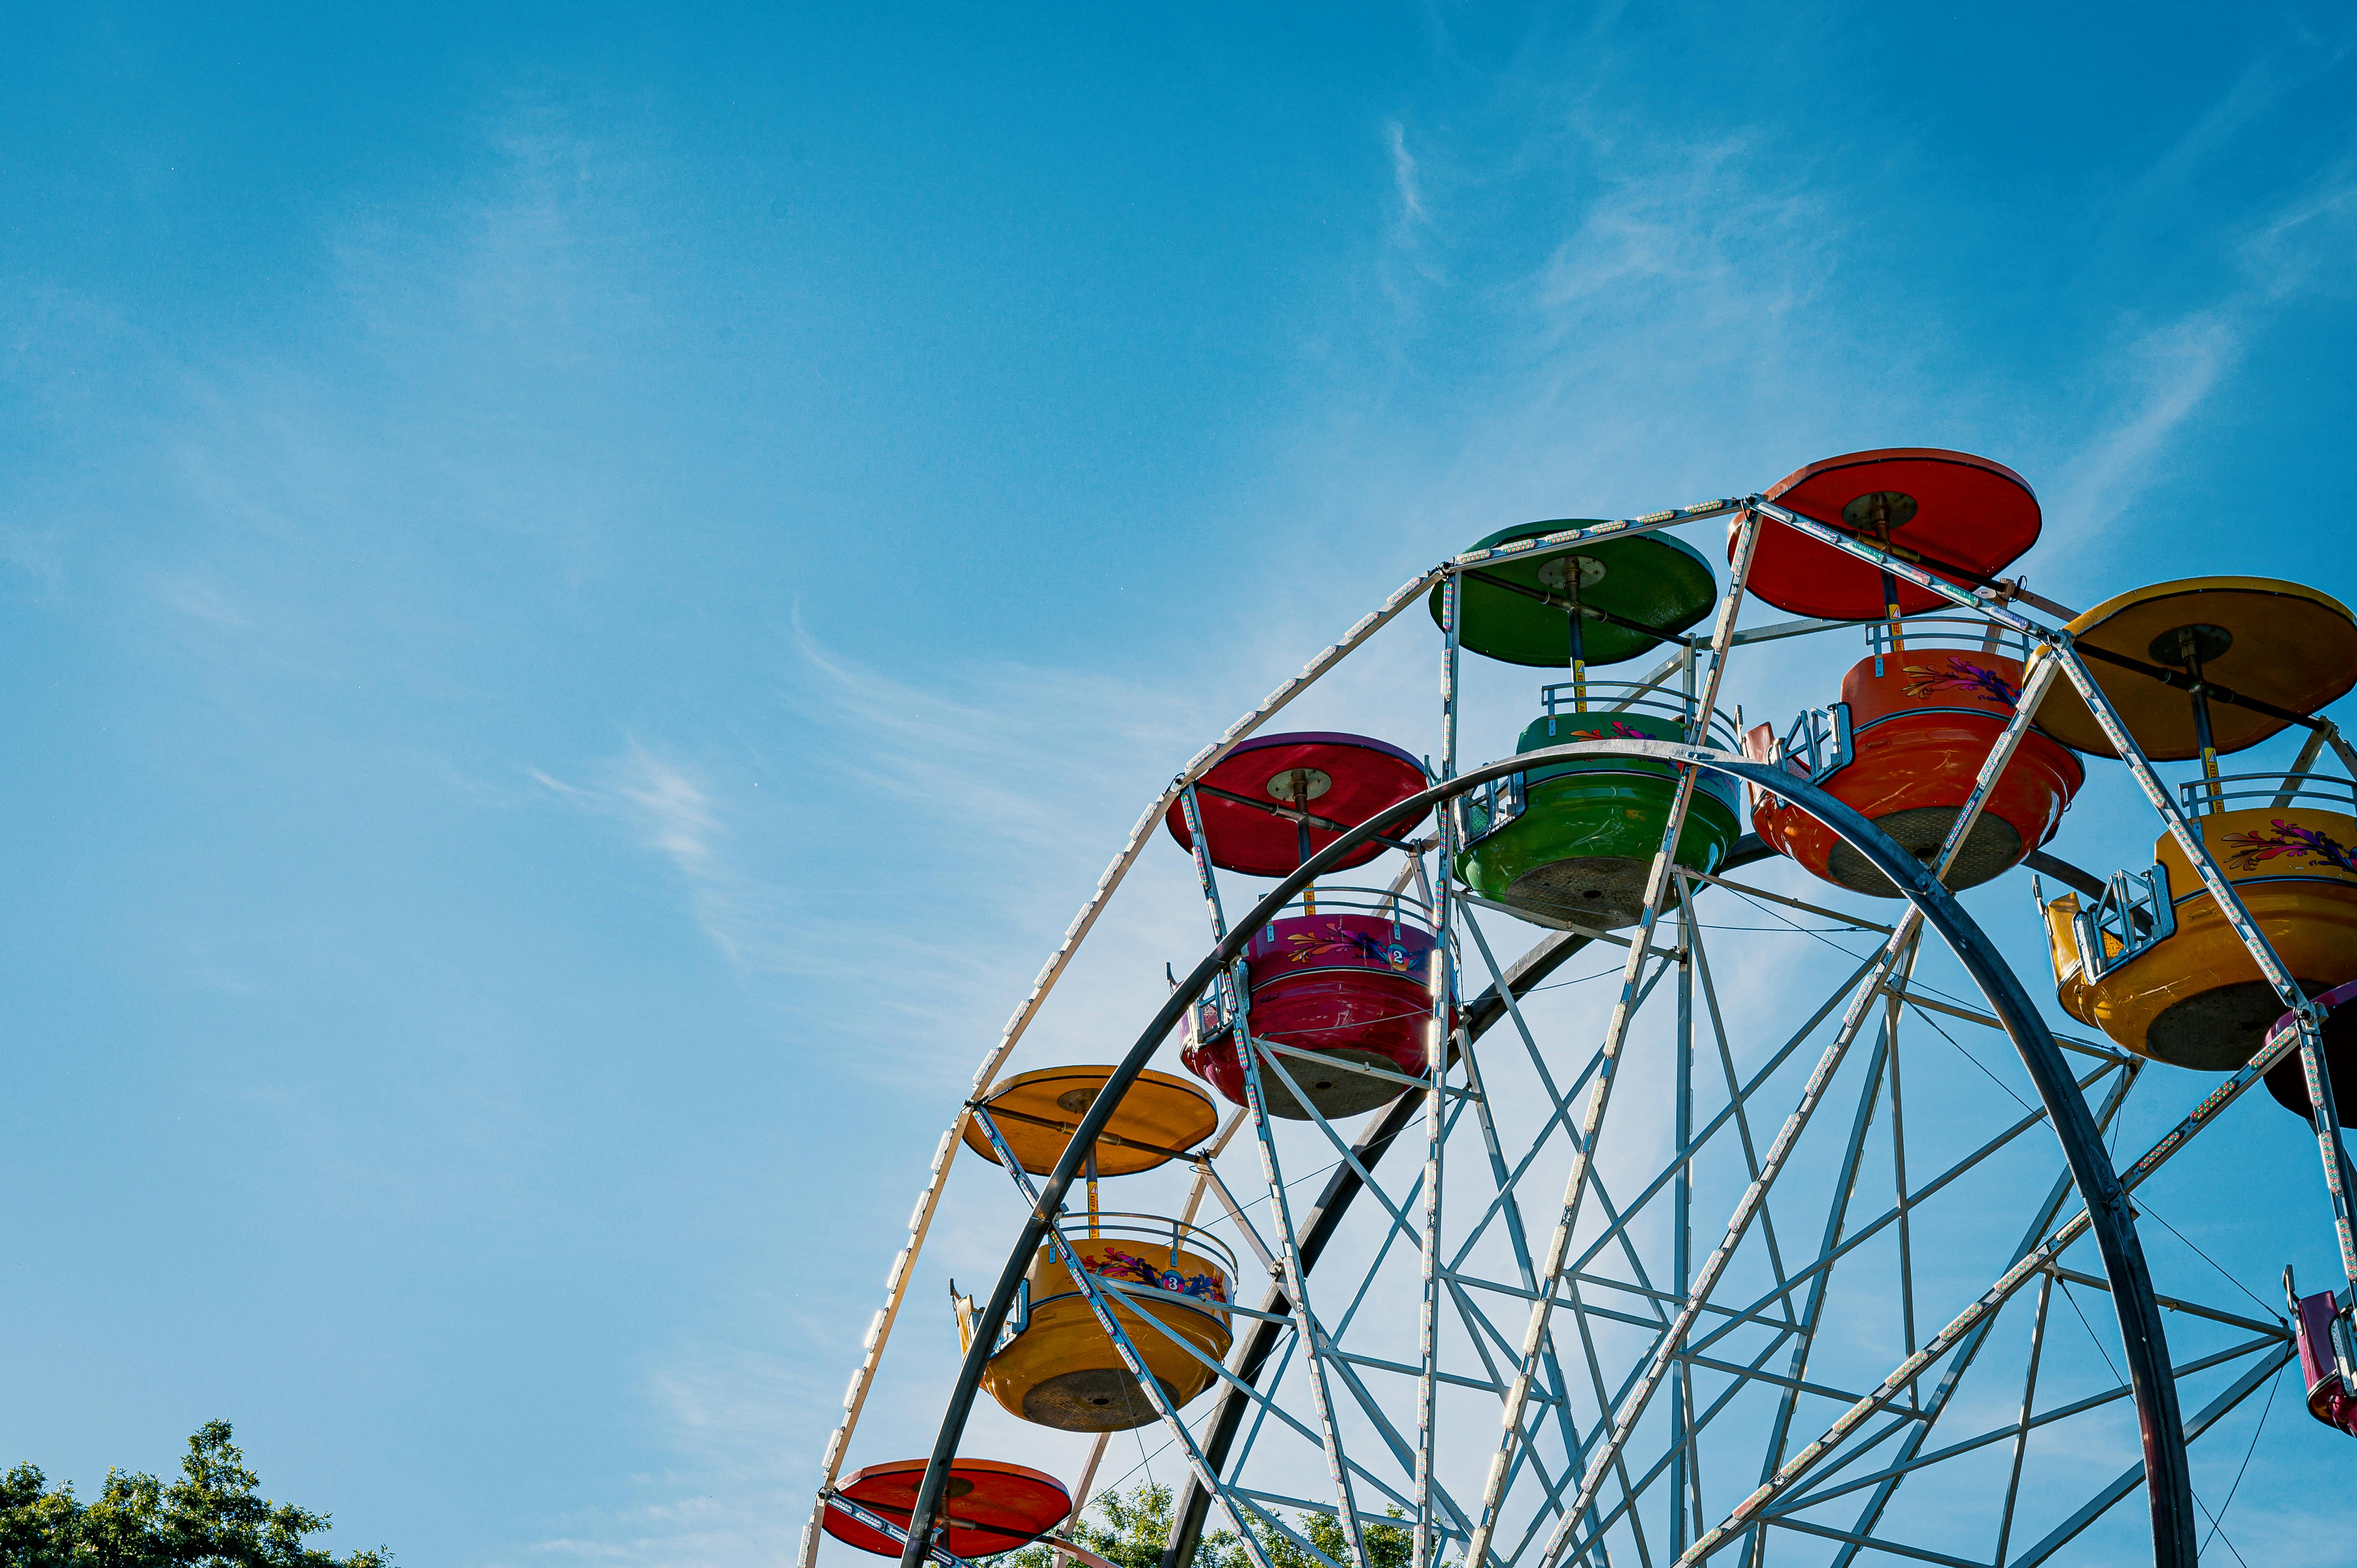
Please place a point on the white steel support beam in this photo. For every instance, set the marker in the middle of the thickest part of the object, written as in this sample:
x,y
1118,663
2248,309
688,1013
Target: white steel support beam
x,y
1443,980
1296,1287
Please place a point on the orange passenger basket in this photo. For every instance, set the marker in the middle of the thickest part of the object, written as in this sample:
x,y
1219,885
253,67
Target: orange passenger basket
x,y
1918,717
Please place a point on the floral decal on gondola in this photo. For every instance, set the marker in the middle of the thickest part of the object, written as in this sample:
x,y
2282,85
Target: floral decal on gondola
x,y
1336,941
1960,675
2255,848
1622,730
1118,1264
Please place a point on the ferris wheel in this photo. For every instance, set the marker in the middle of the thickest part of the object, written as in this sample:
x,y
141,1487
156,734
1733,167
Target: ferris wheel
x,y
1520,1174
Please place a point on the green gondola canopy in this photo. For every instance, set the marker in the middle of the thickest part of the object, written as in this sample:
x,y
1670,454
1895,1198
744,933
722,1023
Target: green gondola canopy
x,y
1651,579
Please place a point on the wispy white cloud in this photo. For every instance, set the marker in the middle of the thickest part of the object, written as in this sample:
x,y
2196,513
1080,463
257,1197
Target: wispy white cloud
x,y
1707,227
2302,246
676,809
2288,251
2175,368
732,1416
1404,181
1411,232
668,807
998,792
2260,86
2271,77
37,553
197,596
992,745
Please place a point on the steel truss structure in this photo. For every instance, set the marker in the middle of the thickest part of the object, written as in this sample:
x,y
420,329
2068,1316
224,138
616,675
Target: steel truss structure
x,y
1714,1280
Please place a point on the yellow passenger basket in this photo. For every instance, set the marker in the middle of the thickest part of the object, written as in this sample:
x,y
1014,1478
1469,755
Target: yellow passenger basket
x,y
2153,963
1169,1285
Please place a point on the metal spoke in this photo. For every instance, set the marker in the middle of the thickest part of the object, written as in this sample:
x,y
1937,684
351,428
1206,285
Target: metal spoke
x,y
1867,1231
1912,1441
1515,1234
1620,1466
2176,1304
1812,1308
1296,1285
1898,1166
1688,876
1857,1541
1398,1229
2129,1479
1562,1116
2022,1427
1913,1462
1726,1397
1624,1422
1734,1095
1685,1154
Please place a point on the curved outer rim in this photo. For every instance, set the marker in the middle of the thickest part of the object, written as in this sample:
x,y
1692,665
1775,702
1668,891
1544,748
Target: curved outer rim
x,y
2143,1343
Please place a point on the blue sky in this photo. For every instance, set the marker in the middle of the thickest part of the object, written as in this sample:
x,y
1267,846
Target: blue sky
x,y
584,591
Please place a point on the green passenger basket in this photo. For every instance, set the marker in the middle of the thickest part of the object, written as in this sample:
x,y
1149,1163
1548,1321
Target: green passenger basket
x,y
1573,842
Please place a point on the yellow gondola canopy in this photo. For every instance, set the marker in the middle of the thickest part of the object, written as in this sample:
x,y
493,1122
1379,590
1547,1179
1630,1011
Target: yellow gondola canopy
x,y
1038,1113
2285,645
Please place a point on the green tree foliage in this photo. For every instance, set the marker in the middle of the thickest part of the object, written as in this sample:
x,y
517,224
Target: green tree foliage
x,y
1136,1527
210,1518
1388,1544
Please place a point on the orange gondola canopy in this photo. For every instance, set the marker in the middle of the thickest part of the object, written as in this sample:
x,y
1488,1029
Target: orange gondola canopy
x,y
1161,1117
2291,647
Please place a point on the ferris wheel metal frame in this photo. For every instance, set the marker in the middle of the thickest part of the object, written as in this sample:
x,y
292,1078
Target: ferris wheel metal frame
x,y
2106,1215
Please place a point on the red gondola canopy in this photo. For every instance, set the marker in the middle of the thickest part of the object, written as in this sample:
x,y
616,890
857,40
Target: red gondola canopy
x,y
1346,779
1951,509
990,1507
